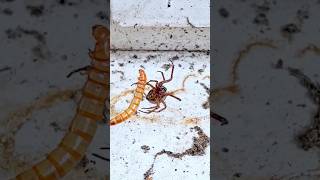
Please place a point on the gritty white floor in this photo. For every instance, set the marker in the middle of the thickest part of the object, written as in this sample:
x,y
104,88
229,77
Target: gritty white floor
x,y
169,129
161,13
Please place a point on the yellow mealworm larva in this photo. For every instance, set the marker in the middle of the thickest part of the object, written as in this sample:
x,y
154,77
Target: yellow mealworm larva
x,y
142,80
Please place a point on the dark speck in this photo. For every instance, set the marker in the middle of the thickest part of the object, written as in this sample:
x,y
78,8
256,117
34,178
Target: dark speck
x,y
225,150
35,10
290,28
279,64
7,11
237,175
223,12
62,2
101,15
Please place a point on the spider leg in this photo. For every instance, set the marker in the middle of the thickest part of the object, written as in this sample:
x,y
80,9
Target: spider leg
x,y
165,106
86,68
146,112
153,81
151,107
174,97
153,110
171,77
150,85
146,84
162,75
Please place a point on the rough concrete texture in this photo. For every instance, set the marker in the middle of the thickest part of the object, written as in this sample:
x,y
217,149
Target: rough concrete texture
x,y
255,42
135,142
41,42
160,25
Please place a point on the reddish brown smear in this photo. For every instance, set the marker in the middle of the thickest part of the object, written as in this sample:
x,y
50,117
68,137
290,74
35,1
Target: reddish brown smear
x,y
115,99
310,47
233,87
184,83
243,53
191,121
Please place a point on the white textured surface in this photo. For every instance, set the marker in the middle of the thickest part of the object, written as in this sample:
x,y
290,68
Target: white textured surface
x,y
152,25
159,130
157,13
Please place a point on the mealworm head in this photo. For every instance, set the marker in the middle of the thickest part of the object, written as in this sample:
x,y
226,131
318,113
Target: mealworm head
x,y
100,33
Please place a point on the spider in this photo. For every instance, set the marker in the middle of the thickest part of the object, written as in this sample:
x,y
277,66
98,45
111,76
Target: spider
x,y
158,93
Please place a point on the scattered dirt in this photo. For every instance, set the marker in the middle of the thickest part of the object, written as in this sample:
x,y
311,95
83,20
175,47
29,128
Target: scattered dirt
x,y
289,30
311,137
145,148
198,147
40,50
35,10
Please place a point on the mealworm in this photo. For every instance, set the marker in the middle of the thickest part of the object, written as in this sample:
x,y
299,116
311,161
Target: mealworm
x,y
84,124
142,81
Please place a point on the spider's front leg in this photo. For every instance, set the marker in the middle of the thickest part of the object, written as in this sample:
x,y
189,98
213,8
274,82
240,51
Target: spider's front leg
x,y
154,108
171,94
165,106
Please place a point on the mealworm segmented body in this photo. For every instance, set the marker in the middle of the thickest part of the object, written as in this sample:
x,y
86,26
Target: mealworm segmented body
x,y
142,81
84,124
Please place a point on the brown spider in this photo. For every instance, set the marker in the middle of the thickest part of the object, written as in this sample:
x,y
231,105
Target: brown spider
x,y
158,93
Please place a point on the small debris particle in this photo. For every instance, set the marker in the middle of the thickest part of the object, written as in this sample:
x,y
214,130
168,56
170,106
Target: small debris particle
x,y
290,29
223,12
6,68
62,2
225,150
55,126
121,64
7,11
102,15
302,14
145,148
261,19
35,10
237,175
175,58
279,64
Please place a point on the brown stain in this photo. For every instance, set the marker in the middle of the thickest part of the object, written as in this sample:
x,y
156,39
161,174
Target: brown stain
x,y
310,48
233,86
191,121
248,48
150,119
117,98
14,119
233,89
182,89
